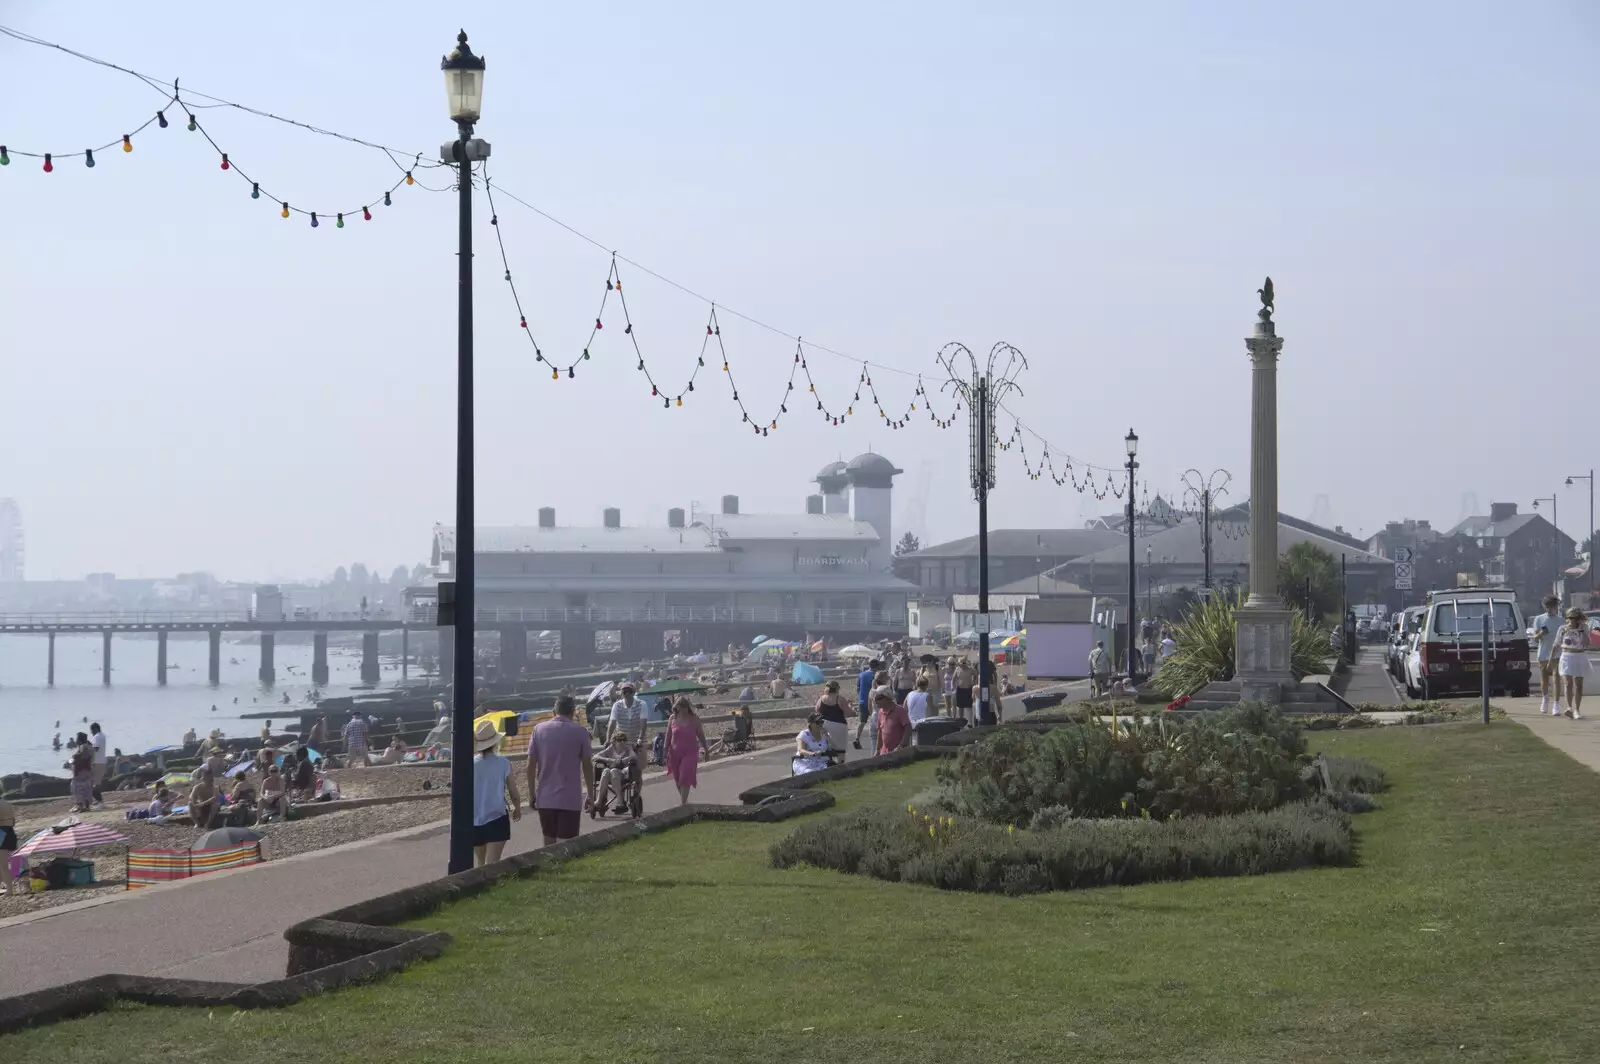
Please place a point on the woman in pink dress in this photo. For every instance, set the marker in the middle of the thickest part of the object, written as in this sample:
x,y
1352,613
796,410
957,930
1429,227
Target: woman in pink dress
x,y
686,737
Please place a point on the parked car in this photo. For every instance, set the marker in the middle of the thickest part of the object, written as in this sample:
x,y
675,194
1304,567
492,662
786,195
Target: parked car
x,y
1411,666
1449,645
1405,624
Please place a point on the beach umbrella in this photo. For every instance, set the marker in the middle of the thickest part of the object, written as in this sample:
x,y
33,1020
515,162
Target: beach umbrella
x,y
601,691
221,837
64,837
856,650
162,749
758,640
175,777
238,770
805,673
1012,641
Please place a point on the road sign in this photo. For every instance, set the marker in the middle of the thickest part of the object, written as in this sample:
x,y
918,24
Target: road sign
x,y
981,623
1402,583
1402,556
1402,571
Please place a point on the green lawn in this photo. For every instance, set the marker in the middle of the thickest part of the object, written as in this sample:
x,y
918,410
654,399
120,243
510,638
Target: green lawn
x,y
1467,933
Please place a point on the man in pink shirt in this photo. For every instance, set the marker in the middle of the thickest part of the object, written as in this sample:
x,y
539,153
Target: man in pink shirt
x,y
894,723
560,772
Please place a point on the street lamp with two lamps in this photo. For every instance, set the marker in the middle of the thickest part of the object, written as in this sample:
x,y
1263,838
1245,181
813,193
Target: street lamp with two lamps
x,y
1131,441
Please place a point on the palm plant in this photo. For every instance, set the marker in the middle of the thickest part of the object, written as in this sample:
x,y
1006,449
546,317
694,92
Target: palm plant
x,y
1205,646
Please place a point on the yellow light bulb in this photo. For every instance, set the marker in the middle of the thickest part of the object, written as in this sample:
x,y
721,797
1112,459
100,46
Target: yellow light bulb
x,y
409,179
285,211
127,144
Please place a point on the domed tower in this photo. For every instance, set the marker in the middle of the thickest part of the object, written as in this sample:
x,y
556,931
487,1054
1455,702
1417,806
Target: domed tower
x,y
833,481
871,478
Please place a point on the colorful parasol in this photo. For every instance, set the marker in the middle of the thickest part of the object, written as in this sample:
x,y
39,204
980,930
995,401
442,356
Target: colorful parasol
x,y
77,836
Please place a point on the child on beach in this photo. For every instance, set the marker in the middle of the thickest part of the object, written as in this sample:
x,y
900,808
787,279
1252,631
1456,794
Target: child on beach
x,y
615,761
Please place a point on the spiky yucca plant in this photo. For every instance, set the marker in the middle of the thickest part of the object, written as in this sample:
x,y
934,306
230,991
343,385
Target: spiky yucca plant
x,y
1205,646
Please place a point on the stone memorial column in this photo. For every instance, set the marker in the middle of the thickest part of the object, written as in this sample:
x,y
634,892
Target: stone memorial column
x,y
1261,626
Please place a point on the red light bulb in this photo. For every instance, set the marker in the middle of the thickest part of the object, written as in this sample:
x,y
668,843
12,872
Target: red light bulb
x,y
224,160
366,215
49,167
524,322
598,324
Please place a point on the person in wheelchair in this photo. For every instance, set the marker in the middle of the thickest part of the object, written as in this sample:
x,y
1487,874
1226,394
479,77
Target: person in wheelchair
x,y
813,751
616,763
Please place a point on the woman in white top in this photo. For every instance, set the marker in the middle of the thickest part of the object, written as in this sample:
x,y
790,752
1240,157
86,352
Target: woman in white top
x,y
810,746
1574,642
492,779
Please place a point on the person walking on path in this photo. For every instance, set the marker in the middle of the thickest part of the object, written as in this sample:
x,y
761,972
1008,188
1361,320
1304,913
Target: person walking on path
x,y
831,707
1574,667
894,726
686,740
97,739
917,702
1099,669
864,699
561,772
355,740
492,810
1547,626
630,717
965,679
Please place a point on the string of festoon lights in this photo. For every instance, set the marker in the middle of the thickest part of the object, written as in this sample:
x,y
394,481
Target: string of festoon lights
x,y
712,346
185,105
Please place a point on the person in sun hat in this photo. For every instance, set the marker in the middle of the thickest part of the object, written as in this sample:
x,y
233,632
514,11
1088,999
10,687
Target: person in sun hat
x,y
630,717
492,781
1573,640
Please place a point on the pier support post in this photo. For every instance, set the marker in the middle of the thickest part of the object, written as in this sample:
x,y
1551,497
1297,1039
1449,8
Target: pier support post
x,y
319,658
513,652
405,654
161,658
369,657
268,673
447,656
105,658
214,660
50,673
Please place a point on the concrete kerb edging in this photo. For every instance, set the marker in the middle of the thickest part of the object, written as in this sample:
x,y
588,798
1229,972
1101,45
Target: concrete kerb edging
x,y
358,943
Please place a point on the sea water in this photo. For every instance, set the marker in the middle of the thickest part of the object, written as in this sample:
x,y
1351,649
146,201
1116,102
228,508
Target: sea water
x,y
137,714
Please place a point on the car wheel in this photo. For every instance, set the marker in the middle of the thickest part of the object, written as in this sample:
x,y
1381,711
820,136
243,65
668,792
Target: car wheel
x,y
1520,690
1426,691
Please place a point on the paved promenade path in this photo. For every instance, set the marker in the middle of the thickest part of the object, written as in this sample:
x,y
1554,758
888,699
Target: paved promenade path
x,y
229,926
1369,682
1578,739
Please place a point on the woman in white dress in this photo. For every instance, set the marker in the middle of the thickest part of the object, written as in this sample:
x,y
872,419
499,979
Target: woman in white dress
x,y
1574,643
810,746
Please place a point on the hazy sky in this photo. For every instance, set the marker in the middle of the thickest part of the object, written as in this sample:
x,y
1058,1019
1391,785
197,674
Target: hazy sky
x,y
193,382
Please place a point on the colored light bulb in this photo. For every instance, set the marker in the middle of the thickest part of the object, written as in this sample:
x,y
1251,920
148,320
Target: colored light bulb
x,y
225,160
629,330
313,219
366,215
338,222
5,160
701,360
409,179
608,284
653,390
570,373
285,211
736,397
49,167
586,352
849,410
387,202
88,157
508,275
680,400
619,284
127,142
724,367
161,117
555,374
598,324
797,358
255,190
494,219
524,321
708,330
666,404
193,125
691,386
641,365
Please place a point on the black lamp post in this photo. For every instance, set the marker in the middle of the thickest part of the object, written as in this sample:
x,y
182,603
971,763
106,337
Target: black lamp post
x,y
463,80
1589,476
1132,441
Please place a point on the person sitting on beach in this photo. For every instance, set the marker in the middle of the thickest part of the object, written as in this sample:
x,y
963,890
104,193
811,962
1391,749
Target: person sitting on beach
x,y
274,799
242,799
615,761
216,762
747,694
161,804
394,753
204,801
304,785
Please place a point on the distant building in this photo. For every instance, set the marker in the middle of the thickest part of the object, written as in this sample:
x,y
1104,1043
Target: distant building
x,y
1412,535
1015,554
1521,551
824,571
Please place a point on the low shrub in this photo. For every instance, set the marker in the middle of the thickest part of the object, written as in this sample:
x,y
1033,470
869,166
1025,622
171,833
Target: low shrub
x,y
1067,854
1233,761
1205,638
1355,775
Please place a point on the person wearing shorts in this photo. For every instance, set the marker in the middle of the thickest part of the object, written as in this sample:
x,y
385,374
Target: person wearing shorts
x,y
1547,626
964,681
495,801
1574,666
561,772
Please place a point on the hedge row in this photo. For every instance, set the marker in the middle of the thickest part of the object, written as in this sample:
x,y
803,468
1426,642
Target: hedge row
x,y
907,846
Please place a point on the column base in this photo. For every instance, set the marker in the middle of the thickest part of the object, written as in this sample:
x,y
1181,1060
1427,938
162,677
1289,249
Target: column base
x,y
1261,650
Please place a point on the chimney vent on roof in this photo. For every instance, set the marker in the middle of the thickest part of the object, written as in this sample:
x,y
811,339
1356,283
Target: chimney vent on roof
x,y
613,517
547,517
675,517
730,504
813,504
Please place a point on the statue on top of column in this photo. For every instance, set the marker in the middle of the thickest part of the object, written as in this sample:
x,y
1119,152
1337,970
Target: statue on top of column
x,y
1265,292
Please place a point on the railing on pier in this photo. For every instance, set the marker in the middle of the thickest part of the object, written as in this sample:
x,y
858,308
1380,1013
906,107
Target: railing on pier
x,y
555,616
